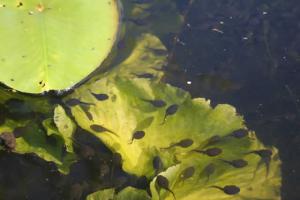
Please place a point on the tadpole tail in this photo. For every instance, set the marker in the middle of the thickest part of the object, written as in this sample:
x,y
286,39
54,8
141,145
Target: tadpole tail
x,y
226,161
171,193
164,120
197,151
169,147
217,187
86,104
112,132
131,141
207,180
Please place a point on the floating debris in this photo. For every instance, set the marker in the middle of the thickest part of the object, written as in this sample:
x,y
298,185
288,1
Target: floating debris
x,y
8,140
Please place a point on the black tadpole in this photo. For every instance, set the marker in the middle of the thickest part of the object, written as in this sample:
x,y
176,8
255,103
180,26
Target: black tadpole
x,y
185,143
210,152
158,103
209,170
145,75
100,96
241,133
265,158
157,164
87,112
187,173
171,110
239,163
101,129
137,135
229,189
162,182
75,102
213,140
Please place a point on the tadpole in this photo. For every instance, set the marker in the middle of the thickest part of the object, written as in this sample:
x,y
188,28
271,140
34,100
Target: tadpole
x,y
187,173
185,143
87,112
157,164
163,182
145,75
158,103
75,102
229,189
137,135
265,158
210,152
100,96
239,163
213,140
171,110
101,129
241,133
209,170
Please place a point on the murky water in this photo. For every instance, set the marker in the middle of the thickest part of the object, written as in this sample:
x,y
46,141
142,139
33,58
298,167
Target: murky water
x,y
245,53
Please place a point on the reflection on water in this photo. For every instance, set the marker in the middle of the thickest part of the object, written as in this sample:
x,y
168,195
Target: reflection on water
x,y
245,53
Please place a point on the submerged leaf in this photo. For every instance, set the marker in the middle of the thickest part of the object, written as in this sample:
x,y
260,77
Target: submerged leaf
x,y
46,141
225,182
128,193
208,153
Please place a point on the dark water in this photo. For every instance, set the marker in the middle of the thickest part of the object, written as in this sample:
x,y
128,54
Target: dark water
x,y
242,52
247,53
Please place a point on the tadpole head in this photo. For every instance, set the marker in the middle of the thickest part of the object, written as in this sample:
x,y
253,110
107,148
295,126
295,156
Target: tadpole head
x,y
241,133
185,143
162,182
213,152
187,173
231,189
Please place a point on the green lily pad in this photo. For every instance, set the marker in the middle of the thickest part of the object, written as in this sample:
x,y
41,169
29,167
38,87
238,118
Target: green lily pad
x,y
52,45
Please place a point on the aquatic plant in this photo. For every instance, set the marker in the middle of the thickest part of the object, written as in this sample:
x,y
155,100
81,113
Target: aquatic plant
x,y
52,45
187,149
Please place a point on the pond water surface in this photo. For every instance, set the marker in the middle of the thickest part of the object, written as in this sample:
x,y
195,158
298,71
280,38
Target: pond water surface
x,y
242,52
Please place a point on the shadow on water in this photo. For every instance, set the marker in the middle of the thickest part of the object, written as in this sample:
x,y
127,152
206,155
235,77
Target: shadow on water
x,y
245,53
